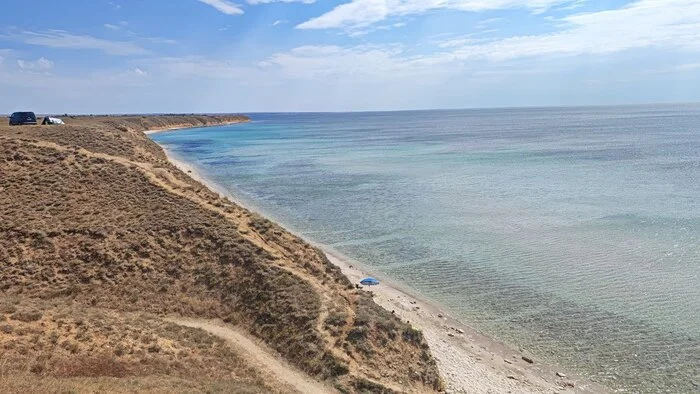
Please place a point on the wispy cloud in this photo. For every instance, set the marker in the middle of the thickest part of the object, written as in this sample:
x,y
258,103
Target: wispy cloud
x,y
574,5
362,13
485,22
66,40
321,61
668,25
461,41
225,6
280,1
278,22
41,64
112,26
159,40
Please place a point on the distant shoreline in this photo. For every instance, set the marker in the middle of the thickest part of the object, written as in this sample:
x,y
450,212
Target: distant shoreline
x,y
468,360
185,126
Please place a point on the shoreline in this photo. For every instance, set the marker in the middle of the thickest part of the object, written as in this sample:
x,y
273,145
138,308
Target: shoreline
x,y
468,360
184,126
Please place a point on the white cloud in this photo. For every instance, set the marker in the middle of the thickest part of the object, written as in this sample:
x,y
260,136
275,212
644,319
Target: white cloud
x,y
362,13
461,41
485,22
667,24
321,61
63,39
159,40
437,71
224,6
278,22
574,5
280,1
116,27
41,64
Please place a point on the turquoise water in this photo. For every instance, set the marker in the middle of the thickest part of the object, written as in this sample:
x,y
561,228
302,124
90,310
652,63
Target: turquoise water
x,y
573,233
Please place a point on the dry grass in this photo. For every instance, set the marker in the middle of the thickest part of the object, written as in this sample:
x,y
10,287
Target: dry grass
x,y
72,345
97,225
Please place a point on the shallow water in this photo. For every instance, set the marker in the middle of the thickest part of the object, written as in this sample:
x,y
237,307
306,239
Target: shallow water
x,y
573,233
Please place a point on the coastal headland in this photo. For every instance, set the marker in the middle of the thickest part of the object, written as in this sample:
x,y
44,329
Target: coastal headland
x,y
117,268
123,271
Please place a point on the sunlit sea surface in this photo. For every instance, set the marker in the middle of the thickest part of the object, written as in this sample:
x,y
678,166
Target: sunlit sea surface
x,y
572,233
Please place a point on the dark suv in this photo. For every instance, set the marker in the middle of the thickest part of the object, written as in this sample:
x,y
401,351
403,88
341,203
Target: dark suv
x,y
22,118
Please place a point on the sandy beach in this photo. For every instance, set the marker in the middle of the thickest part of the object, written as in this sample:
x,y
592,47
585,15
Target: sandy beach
x,y
186,126
469,361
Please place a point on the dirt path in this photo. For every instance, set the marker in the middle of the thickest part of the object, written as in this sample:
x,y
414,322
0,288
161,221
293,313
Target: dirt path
x,y
164,178
259,355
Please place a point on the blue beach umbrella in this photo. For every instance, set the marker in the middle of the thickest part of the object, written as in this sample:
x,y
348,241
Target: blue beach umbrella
x,y
369,281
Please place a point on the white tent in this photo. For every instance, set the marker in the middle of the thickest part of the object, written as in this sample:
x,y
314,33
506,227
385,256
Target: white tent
x,y
50,120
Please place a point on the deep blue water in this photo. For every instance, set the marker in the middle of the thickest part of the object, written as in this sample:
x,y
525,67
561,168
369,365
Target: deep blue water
x,y
573,233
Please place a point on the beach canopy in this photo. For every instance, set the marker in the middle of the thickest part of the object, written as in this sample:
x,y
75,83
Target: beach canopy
x,y
369,281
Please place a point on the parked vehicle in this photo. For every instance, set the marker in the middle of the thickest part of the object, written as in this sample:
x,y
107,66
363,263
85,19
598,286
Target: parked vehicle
x,y
49,120
22,118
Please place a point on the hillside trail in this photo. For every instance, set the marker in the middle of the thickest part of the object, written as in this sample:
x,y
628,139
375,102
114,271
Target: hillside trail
x,y
258,355
164,178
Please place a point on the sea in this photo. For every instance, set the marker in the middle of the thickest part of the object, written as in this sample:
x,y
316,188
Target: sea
x,y
570,233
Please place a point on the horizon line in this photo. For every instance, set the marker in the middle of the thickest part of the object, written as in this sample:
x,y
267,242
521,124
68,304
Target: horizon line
x,y
368,111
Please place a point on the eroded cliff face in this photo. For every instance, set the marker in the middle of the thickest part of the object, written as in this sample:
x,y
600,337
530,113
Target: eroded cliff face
x,y
102,240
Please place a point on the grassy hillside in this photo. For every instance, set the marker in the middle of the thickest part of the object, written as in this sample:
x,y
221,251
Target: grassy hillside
x,y
101,238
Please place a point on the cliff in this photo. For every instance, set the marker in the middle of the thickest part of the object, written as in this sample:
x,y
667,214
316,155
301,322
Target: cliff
x,y
105,246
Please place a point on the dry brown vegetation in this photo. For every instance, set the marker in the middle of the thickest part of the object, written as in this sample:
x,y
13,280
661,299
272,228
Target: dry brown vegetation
x,y
101,238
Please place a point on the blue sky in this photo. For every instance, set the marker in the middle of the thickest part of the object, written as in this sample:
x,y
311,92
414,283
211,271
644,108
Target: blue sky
x,y
113,56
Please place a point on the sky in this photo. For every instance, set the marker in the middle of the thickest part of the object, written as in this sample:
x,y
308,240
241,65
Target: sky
x,y
147,56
